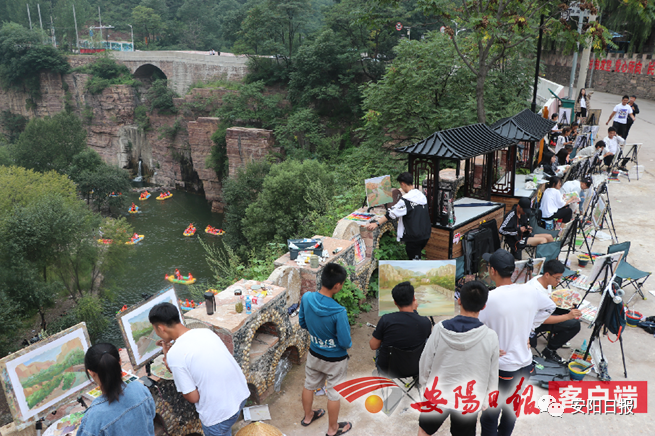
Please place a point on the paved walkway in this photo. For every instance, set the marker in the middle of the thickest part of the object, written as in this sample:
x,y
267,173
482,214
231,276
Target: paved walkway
x,y
633,206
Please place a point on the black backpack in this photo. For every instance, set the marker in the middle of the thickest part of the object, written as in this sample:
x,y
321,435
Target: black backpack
x,y
476,242
614,319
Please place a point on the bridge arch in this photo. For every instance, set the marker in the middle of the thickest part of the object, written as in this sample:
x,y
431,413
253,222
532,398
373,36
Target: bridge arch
x,y
149,72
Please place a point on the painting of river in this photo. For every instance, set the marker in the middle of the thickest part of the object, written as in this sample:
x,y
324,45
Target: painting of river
x,y
433,281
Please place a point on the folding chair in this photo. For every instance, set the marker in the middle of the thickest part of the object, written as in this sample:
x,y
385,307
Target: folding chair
x,y
628,273
403,365
551,251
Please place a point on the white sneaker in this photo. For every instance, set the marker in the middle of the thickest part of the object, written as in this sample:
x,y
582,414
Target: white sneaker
x,y
567,345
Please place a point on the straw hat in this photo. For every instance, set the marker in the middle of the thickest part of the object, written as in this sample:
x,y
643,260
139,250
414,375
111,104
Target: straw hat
x,y
259,429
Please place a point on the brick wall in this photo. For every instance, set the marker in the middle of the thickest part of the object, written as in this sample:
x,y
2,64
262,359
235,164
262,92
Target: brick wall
x,y
615,73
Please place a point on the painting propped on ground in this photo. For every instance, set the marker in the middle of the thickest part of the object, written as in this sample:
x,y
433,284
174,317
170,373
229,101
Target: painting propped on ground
x,y
378,191
433,281
138,334
42,376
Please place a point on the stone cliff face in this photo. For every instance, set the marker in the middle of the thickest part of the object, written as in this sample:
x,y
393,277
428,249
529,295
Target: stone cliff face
x,y
170,160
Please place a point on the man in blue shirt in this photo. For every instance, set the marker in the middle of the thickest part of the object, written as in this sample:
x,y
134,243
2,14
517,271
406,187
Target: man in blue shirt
x,y
327,363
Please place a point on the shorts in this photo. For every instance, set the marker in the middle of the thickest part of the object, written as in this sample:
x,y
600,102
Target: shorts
x,y
319,371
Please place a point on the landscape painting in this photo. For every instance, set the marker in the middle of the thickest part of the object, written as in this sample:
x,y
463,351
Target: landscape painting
x,y
40,377
378,191
433,281
139,336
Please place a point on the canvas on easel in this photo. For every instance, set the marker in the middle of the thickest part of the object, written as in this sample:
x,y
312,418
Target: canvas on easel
x,y
598,213
378,191
564,116
39,378
593,116
139,335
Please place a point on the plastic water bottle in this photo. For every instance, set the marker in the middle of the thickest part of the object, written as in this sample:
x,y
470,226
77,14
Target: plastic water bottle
x,y
248,305
583,348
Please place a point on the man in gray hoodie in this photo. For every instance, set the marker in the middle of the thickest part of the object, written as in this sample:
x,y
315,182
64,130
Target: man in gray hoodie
x,y
413,215
464,388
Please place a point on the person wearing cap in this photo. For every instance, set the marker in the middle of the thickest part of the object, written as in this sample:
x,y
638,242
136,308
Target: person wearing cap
x,y
517,231
512,311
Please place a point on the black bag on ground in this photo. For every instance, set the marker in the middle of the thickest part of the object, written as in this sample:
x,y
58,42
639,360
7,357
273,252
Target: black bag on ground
x,y
475,243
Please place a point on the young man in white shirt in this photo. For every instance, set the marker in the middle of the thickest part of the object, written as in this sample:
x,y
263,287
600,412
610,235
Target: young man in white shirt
x,y
204,371
578,186
613,142
512,311
414,226
620,116
562,324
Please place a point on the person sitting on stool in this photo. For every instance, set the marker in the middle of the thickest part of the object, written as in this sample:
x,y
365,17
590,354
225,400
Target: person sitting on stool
x,y
613,144
517,231
414,226
553,205
562,324
405,329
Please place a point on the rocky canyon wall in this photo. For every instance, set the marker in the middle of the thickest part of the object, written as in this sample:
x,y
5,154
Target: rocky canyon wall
x,y
173,149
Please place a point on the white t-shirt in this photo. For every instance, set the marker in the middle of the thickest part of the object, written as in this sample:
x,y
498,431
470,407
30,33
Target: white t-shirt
x,y
560,143
200,360
622,113
534,282
583,103
571,186
512,311
612,144
551,202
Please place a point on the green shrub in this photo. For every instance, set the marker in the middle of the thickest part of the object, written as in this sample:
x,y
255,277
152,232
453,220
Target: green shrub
x,y
352,298
160,97
141,117
172,131
106,72
13,124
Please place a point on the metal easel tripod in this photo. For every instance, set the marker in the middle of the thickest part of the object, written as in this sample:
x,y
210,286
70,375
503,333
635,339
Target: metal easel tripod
x,y
607,215
571,237
607,274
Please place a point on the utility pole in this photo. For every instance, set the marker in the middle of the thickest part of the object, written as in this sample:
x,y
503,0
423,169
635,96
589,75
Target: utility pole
x,y
77,35
536,68
38,6
28,16
574,11
584,60
132,33
100,19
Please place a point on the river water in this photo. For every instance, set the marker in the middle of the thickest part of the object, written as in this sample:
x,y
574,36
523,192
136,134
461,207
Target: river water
x,y
163,249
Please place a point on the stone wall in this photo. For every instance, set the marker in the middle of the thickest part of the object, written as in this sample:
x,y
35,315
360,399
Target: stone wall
x,y
200,143
615,73
246,145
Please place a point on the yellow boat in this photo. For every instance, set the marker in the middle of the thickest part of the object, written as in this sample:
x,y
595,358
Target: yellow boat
x,y
185,280
164,198
135,241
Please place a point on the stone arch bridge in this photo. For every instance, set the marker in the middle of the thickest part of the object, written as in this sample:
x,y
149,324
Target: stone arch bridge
x,y
182,68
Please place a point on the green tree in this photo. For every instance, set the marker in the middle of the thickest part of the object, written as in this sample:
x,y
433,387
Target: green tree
x,y
102,181
282,207
147,22
65,22
23,57
239,192
160,97
21,186
50,143
13,124
323,75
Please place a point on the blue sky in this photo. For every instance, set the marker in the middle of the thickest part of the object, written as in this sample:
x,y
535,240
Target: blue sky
x,y
44,357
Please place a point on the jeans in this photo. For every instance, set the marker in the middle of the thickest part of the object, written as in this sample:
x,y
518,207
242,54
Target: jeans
x,y
507,382
223,428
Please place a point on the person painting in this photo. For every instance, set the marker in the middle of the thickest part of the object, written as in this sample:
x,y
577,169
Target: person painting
x,y
553,205
414,227
563,139
613,143
563,156
204,370
582,104
549,163
517,231
121,409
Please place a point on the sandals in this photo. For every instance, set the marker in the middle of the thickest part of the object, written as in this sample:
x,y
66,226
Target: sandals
x,y
341,430
317,414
